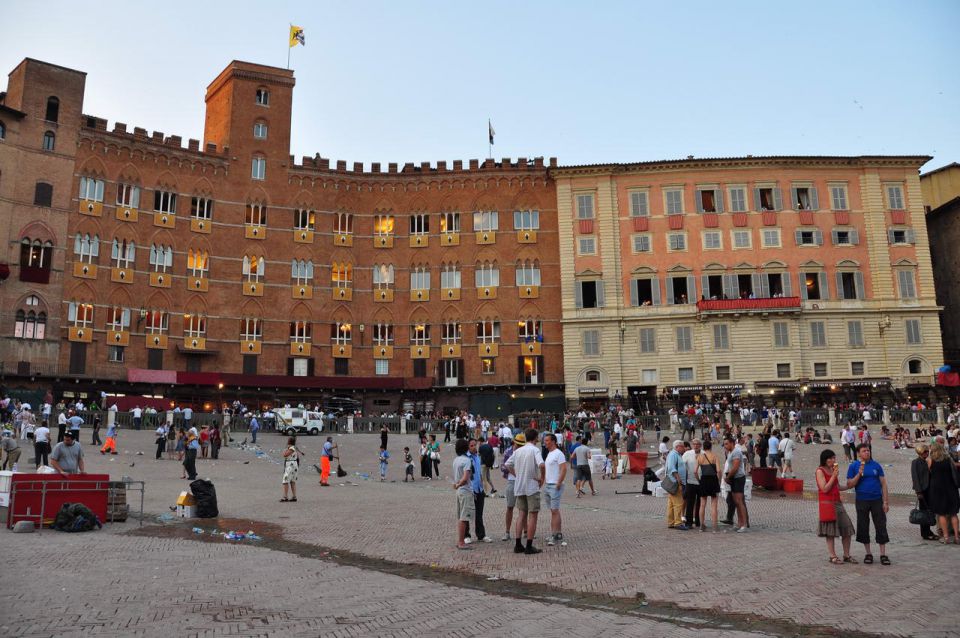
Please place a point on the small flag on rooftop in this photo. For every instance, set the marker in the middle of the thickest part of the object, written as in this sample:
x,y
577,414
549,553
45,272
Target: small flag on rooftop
x,y
490,131
297,37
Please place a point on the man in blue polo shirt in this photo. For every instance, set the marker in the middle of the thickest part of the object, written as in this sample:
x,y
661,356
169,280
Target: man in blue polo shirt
x,y
866,475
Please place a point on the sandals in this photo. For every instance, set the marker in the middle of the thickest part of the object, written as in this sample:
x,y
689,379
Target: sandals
x,y
884,560
868,559
284,500
835,560
851,560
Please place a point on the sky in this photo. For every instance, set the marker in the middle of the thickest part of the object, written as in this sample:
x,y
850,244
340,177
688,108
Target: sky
x,y
588,82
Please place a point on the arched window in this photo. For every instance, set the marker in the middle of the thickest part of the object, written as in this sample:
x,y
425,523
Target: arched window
x,y
87,248
49,141
263,97
53,109
528,273
383,275
343,223
299,331
161,257
487,275
914,366
124,253
251,329
198,262
30,324
259,167
341,275
593,376
420,278
253,267
194,325
260,130
301,271
340,333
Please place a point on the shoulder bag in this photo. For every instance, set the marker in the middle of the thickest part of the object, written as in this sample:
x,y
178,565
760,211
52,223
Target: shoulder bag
x,y
922,516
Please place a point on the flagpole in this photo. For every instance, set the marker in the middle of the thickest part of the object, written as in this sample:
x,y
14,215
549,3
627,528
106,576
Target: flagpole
x,y
288,47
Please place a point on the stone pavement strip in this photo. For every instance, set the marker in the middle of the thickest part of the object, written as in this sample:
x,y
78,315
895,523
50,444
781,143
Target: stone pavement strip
x,y
142,586
619,545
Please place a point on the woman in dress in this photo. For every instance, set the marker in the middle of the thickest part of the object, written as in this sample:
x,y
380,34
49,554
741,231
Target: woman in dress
x,y
708,473
291,464
944,499
833,518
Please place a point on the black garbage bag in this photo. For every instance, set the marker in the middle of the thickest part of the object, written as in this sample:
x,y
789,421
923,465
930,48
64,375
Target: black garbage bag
x,y
205,499
75,517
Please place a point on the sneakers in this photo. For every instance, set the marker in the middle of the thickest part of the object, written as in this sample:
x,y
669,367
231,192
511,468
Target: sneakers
x,y
467,540
532,550
487,539
683,527
550,541
506,536
742,530
558,537
726,522
518,549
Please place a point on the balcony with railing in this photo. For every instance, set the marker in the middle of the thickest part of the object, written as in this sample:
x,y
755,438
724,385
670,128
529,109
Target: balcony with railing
x,y
749,306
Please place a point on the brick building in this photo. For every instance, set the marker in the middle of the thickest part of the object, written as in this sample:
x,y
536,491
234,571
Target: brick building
x,y
230,269
39,128
779,277
941,198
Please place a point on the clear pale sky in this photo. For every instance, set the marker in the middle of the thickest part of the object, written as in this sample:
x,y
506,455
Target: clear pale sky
x,y
587,82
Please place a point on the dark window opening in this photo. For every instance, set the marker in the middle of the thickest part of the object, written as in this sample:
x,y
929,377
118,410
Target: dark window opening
x,y
766,198
115,354
155,359
775,284
43,194
78,358
249,364
848,286
915,366
53,109
714,287
681,294
783,370
899,236
420,368
709,203
843,237
589,294
803,199
745,285
645,292
193,363
341,367
811,282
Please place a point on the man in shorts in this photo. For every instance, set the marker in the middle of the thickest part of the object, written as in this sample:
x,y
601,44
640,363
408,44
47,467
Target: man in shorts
x,y
582,455
526,464
735,475
462,476
555,472
518,442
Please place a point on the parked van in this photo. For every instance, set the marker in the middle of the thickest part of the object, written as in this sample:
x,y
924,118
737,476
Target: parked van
x,y
292,421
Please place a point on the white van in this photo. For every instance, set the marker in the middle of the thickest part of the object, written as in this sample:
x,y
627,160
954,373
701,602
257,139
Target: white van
x,y
292,421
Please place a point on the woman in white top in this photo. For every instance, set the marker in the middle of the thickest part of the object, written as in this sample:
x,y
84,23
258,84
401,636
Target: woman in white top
x,y
291,465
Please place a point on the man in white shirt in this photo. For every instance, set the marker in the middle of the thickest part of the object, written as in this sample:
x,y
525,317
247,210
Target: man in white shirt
x,y
786,449
137,417
847,439
41,444
526,464
555,471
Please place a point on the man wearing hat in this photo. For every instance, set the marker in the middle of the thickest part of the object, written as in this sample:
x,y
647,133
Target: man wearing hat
x,y
67,456
526,464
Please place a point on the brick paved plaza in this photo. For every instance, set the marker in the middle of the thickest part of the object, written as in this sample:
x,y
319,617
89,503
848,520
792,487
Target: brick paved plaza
x,y
163,581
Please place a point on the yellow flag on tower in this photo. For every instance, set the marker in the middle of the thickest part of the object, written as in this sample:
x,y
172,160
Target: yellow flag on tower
x,y
296,36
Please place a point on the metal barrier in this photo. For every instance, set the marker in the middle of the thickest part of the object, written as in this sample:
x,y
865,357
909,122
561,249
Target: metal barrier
x,y
900,416
814,416
72,485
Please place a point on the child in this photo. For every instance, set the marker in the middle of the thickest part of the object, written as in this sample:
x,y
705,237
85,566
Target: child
x,y
408,459
384,455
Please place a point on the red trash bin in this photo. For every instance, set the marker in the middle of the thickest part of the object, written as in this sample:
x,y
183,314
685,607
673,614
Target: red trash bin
x,y
765,477
637,461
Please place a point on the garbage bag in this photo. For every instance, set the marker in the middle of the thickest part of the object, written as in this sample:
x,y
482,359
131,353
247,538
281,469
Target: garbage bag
x,y
205,496
75,517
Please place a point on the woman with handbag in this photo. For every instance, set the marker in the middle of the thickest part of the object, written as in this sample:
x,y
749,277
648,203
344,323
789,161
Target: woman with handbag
x,y
833,518
920,474
944,499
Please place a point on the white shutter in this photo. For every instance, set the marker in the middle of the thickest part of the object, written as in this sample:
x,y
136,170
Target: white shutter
x,y
861,290
670,287
802,279
777,199
655,291
818,237
601,302
824,290
577,293
691,289
855,237
756,285
705,286
718,199
798,237
634,293
840,286
814,198
699,198
785,283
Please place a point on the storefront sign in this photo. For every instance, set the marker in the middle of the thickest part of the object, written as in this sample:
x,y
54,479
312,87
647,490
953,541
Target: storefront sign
x,y
725,387
603,391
